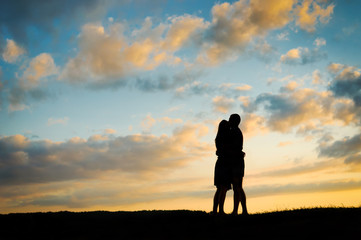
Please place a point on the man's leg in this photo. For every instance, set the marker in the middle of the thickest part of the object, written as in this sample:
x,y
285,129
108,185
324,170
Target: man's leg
x,y
236,197
242,198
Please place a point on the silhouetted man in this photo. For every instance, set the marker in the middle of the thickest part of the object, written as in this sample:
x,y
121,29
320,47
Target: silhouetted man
x,y
237,163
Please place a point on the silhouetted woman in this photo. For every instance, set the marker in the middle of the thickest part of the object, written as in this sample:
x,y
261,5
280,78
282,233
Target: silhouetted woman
x,y
222,171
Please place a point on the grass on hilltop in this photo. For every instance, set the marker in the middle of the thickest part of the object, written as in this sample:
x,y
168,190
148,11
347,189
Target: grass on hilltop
x,y
182,224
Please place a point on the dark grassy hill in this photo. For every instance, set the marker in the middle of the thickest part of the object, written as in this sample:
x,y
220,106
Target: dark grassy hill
x,y
183,224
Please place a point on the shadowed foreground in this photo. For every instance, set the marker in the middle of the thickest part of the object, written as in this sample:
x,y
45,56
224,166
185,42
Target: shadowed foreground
x,y
182,224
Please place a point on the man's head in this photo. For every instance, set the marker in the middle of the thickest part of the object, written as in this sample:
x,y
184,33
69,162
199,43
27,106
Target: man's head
x,y
234,120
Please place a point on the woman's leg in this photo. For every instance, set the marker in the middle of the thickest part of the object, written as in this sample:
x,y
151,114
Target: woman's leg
x,y
216,200
222,198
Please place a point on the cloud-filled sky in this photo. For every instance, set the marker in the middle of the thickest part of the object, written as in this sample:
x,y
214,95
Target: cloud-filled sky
x,y
114,105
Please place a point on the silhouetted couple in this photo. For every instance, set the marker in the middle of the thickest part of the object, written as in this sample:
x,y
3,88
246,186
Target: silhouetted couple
x,y
229,169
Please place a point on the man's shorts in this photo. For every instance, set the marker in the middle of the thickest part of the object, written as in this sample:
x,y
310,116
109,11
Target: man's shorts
x,y
238,170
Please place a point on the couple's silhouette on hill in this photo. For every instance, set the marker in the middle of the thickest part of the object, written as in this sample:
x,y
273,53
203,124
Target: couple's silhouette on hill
x,y
229,169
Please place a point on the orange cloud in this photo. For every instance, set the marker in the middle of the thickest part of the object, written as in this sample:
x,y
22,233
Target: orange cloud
x,y
148,122
40,67
271,14
181,30
282,144
77,158
107,55
12,51
110,131
291,54
253,125
310,12
222,104
235,25
303,55
244,87
304,108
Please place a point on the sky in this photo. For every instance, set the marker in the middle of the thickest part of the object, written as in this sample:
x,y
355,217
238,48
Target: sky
x,y
114,105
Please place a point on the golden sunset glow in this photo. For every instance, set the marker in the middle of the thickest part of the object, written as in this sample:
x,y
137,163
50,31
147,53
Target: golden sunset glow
x,y
114,105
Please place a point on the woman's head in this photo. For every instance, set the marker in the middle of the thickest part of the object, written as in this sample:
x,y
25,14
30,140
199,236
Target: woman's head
x,y
223,126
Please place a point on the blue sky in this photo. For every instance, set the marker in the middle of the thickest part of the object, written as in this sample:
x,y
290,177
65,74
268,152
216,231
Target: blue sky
x,y
96,93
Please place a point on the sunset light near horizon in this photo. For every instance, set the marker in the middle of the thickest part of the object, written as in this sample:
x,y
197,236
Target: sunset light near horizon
x,y
114,105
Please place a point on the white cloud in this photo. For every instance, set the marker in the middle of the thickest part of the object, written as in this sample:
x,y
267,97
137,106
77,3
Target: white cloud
x,y
54,121
283,36
319,42
13,107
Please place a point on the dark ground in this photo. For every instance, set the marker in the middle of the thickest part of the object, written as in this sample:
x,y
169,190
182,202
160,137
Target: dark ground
x,y
341,223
